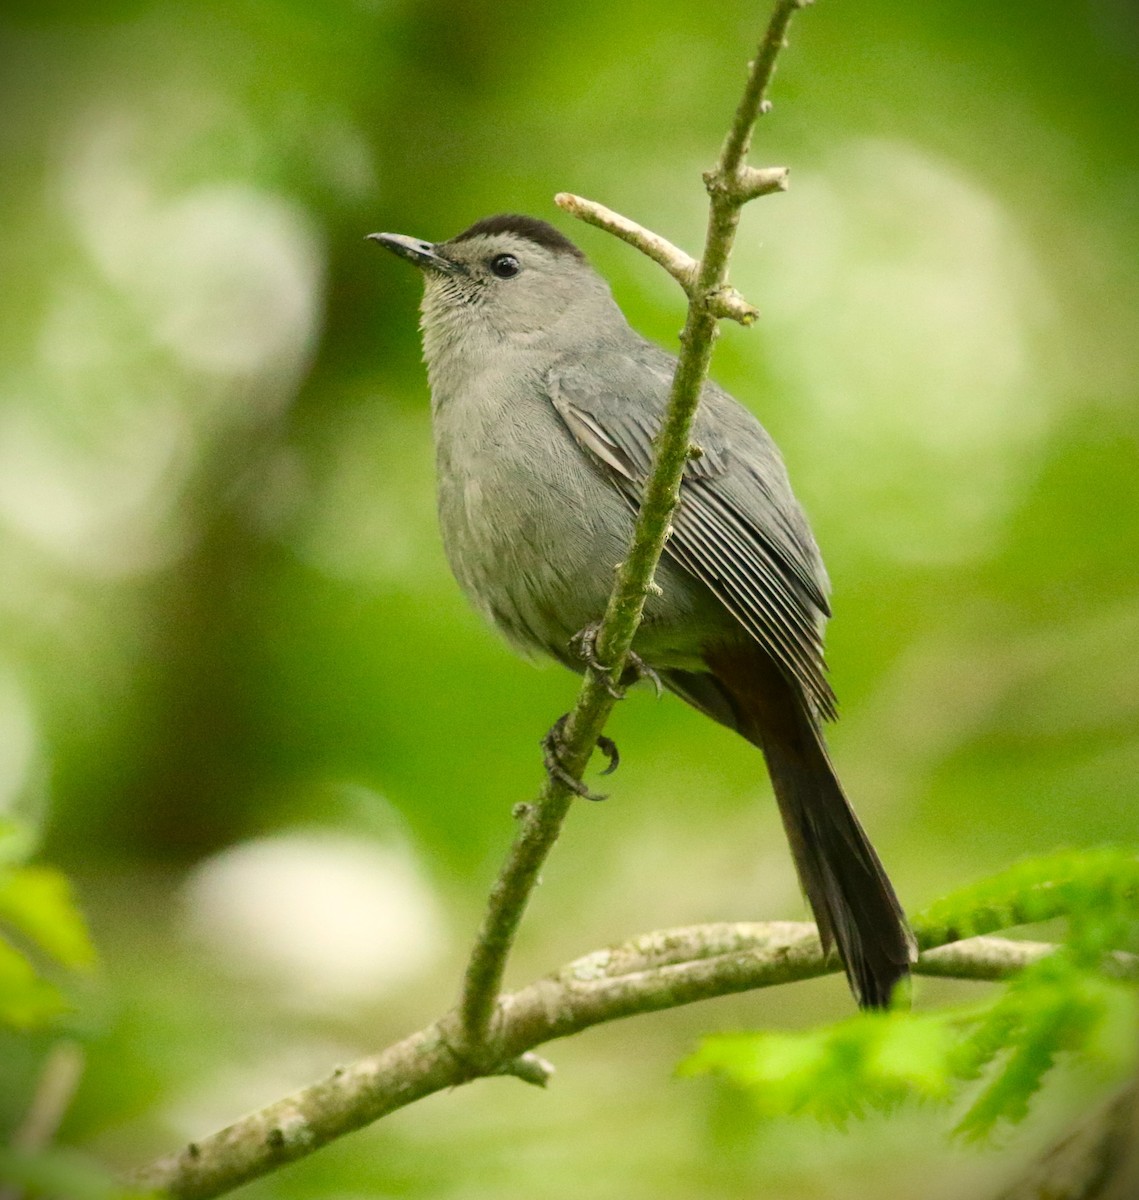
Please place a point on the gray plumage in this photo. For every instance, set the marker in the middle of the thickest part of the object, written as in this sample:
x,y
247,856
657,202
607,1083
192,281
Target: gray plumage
x,y
545,404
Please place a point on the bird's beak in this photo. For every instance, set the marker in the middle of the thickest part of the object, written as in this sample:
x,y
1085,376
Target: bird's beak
x,y
418,252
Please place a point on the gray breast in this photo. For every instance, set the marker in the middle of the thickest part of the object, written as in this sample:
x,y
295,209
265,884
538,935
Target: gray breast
x,y
531,528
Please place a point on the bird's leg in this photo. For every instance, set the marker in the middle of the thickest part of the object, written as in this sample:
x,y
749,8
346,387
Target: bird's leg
x,y
552,747
584,645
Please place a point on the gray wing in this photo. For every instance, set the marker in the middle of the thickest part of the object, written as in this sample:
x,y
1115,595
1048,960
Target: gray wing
x,y
738,527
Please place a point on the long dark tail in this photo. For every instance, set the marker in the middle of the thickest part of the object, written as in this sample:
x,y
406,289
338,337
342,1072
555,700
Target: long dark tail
x,y
848,889
846,886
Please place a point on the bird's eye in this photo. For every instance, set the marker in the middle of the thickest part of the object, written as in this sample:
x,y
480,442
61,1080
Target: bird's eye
x,y
505,266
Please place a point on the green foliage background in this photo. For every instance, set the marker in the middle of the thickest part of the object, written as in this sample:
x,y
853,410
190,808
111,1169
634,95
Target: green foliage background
x,y
226,622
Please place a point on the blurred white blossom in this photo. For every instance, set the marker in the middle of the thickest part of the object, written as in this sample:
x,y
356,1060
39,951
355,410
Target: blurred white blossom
x,y
909,316
325,918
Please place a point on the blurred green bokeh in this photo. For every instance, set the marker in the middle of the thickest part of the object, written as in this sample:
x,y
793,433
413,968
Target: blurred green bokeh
x,y
238,686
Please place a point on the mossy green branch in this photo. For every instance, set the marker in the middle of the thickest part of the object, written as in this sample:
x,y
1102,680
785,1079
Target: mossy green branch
x,y
730,185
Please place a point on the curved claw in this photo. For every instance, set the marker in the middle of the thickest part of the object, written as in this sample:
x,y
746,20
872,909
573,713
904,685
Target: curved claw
x,y
551,756
608,747
584,644
644,671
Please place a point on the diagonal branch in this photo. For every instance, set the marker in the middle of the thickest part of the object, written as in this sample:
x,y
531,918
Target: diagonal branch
x,y
726,302
653,972
730,184
490,1033
681,266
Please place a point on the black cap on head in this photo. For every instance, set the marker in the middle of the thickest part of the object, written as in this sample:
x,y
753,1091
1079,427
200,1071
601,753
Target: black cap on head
x,y
538,232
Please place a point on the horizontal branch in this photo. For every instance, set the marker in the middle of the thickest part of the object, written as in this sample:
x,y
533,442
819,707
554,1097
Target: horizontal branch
x,y
988,958
748,183
656,971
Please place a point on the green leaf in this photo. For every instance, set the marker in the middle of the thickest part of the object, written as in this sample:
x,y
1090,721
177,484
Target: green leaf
x,y
1055,1007
1097,889
871,1061
756,1059
26,1001
1004,1049
37,902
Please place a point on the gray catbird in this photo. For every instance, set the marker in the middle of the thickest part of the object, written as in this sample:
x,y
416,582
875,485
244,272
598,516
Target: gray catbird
x,y
544,405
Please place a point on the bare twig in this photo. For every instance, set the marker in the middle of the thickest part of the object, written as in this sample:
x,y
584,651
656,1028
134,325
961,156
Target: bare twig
x,y
656,971
753,182
730,184
727,302
681,266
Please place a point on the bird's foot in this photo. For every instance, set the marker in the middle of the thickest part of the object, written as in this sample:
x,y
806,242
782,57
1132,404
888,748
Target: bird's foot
x,y
584,645
553,746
